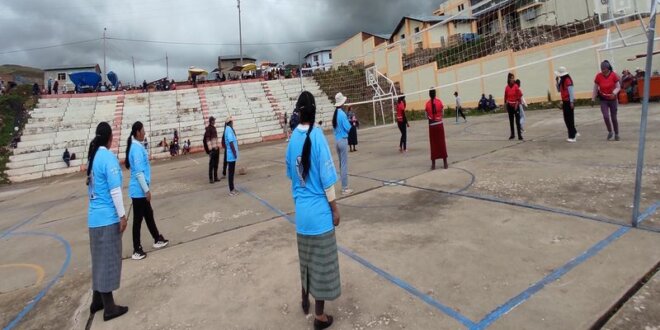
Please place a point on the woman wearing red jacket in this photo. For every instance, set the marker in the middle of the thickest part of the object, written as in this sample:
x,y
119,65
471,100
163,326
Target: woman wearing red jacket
x,y
434,110
402,122
512,99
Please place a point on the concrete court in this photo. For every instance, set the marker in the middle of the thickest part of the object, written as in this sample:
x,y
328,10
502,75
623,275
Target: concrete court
x,y
513,236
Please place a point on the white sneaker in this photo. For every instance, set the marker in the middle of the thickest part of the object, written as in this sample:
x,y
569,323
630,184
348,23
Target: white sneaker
x,y
161,243
233,193
138,255
570,140
347,191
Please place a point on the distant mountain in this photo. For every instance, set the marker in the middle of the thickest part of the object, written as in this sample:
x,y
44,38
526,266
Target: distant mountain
x,y
20,70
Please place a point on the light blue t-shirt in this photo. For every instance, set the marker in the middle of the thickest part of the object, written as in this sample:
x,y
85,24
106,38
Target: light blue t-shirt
x,y
139,160
230,136
343,125
313,213
105,176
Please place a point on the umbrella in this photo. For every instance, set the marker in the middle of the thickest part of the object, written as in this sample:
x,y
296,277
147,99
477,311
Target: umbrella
x,y
249,67
196,71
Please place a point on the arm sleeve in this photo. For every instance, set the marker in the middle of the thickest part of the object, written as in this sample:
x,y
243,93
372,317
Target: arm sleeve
x,y
571,94
118,200
330,194
142,182
617,89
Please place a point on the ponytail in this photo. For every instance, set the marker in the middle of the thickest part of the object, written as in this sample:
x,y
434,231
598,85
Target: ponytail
x,y
334,118
307,108
137,126
432,96
103,135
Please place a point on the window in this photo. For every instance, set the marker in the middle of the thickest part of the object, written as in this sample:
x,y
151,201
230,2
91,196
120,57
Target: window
x,y
61,76
461,7
403,36
417,30
316,58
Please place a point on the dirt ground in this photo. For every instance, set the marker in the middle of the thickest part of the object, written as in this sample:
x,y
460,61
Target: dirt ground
x,y
514,235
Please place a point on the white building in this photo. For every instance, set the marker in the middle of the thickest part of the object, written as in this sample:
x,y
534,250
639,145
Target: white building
x,y
61,75
319,57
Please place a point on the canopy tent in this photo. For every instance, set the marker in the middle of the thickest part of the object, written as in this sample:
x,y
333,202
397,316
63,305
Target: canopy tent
x,y
114,80
193,71
85,81
249,67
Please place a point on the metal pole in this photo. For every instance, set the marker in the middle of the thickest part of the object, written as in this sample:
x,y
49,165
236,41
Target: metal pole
x,y
134,78
167,66
105,70
240,33
302,87
645,112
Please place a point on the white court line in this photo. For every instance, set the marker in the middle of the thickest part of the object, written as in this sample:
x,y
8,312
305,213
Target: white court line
x,y
196,162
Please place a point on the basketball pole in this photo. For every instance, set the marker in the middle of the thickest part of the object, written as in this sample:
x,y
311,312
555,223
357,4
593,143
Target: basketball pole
x,y
645,111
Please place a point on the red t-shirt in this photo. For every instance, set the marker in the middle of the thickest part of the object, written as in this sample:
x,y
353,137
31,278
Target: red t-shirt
x,y
400,108
563,89
512,94
607,84
438,110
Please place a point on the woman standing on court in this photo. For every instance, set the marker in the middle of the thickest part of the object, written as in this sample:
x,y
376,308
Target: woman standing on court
x,y
352,134
106,219
565,88
402,122
231,150
313,176
434,109
606,89
137,160
341,127
513,99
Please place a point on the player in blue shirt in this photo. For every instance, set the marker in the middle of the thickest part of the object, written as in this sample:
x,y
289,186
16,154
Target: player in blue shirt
x,y
341,127
106,219
231,146
313,176
137,160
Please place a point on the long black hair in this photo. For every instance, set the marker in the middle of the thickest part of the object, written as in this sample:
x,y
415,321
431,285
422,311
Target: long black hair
x,y
306,106
334,117
432,96
508,77
103,135
137,126
402,99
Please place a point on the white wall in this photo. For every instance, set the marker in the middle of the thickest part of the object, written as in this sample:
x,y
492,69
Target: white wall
x,y
323,58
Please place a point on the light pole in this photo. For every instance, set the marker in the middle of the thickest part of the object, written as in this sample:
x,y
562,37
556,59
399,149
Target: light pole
x,y
104,66
240,32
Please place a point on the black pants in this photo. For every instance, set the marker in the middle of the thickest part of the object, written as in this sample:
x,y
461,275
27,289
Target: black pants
x,y
404,135
232,169
569,119
224,164
514,112
142,210
460,112
213,164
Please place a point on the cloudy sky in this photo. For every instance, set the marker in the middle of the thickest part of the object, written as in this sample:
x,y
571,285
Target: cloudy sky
x,y
275,30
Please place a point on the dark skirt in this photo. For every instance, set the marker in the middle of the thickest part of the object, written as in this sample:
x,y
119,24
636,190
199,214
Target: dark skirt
x,y
352,136
319,265
105,245
437,140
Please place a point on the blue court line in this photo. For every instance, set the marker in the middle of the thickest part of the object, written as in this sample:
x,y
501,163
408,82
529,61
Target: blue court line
x,y
555,275
42,293
18,225
391,278
648,212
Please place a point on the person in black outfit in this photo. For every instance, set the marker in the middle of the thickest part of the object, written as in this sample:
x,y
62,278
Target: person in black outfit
x,y
212,149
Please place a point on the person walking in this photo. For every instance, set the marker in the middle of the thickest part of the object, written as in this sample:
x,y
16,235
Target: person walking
x,y
512,98
137,161
56,87
106,220
565,88
352,134
212,149
459,107
341,127
434,109
606,89
402,122
313,177
521,107
232,152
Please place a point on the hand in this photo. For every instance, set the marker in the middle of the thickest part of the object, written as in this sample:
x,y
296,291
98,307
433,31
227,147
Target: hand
x,y
408,125
148,196
335,218
123,223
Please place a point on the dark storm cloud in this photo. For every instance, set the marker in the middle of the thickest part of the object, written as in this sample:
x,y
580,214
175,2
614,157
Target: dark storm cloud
x,y
30,24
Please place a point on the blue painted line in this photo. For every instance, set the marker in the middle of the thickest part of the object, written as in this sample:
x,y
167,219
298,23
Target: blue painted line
x,y
555,275
648,212
42,293
391,278
18,225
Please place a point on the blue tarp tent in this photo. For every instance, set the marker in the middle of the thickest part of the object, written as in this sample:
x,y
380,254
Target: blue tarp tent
x,y
85,81
114,80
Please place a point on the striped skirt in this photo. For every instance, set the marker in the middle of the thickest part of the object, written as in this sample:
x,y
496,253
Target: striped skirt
x,y
105,245
319,265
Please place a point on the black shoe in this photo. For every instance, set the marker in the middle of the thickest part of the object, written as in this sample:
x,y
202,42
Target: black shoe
x,y
138,254
216,179
318,325
116,312
511,137
211,181
520,138
97,303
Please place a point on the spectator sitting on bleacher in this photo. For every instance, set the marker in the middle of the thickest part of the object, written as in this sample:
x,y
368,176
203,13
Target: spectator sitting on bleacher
x,y
491,103
67,158
483,103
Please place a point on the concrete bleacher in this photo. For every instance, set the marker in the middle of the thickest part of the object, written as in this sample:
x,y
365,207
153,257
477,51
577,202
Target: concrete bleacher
x,y
70,122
